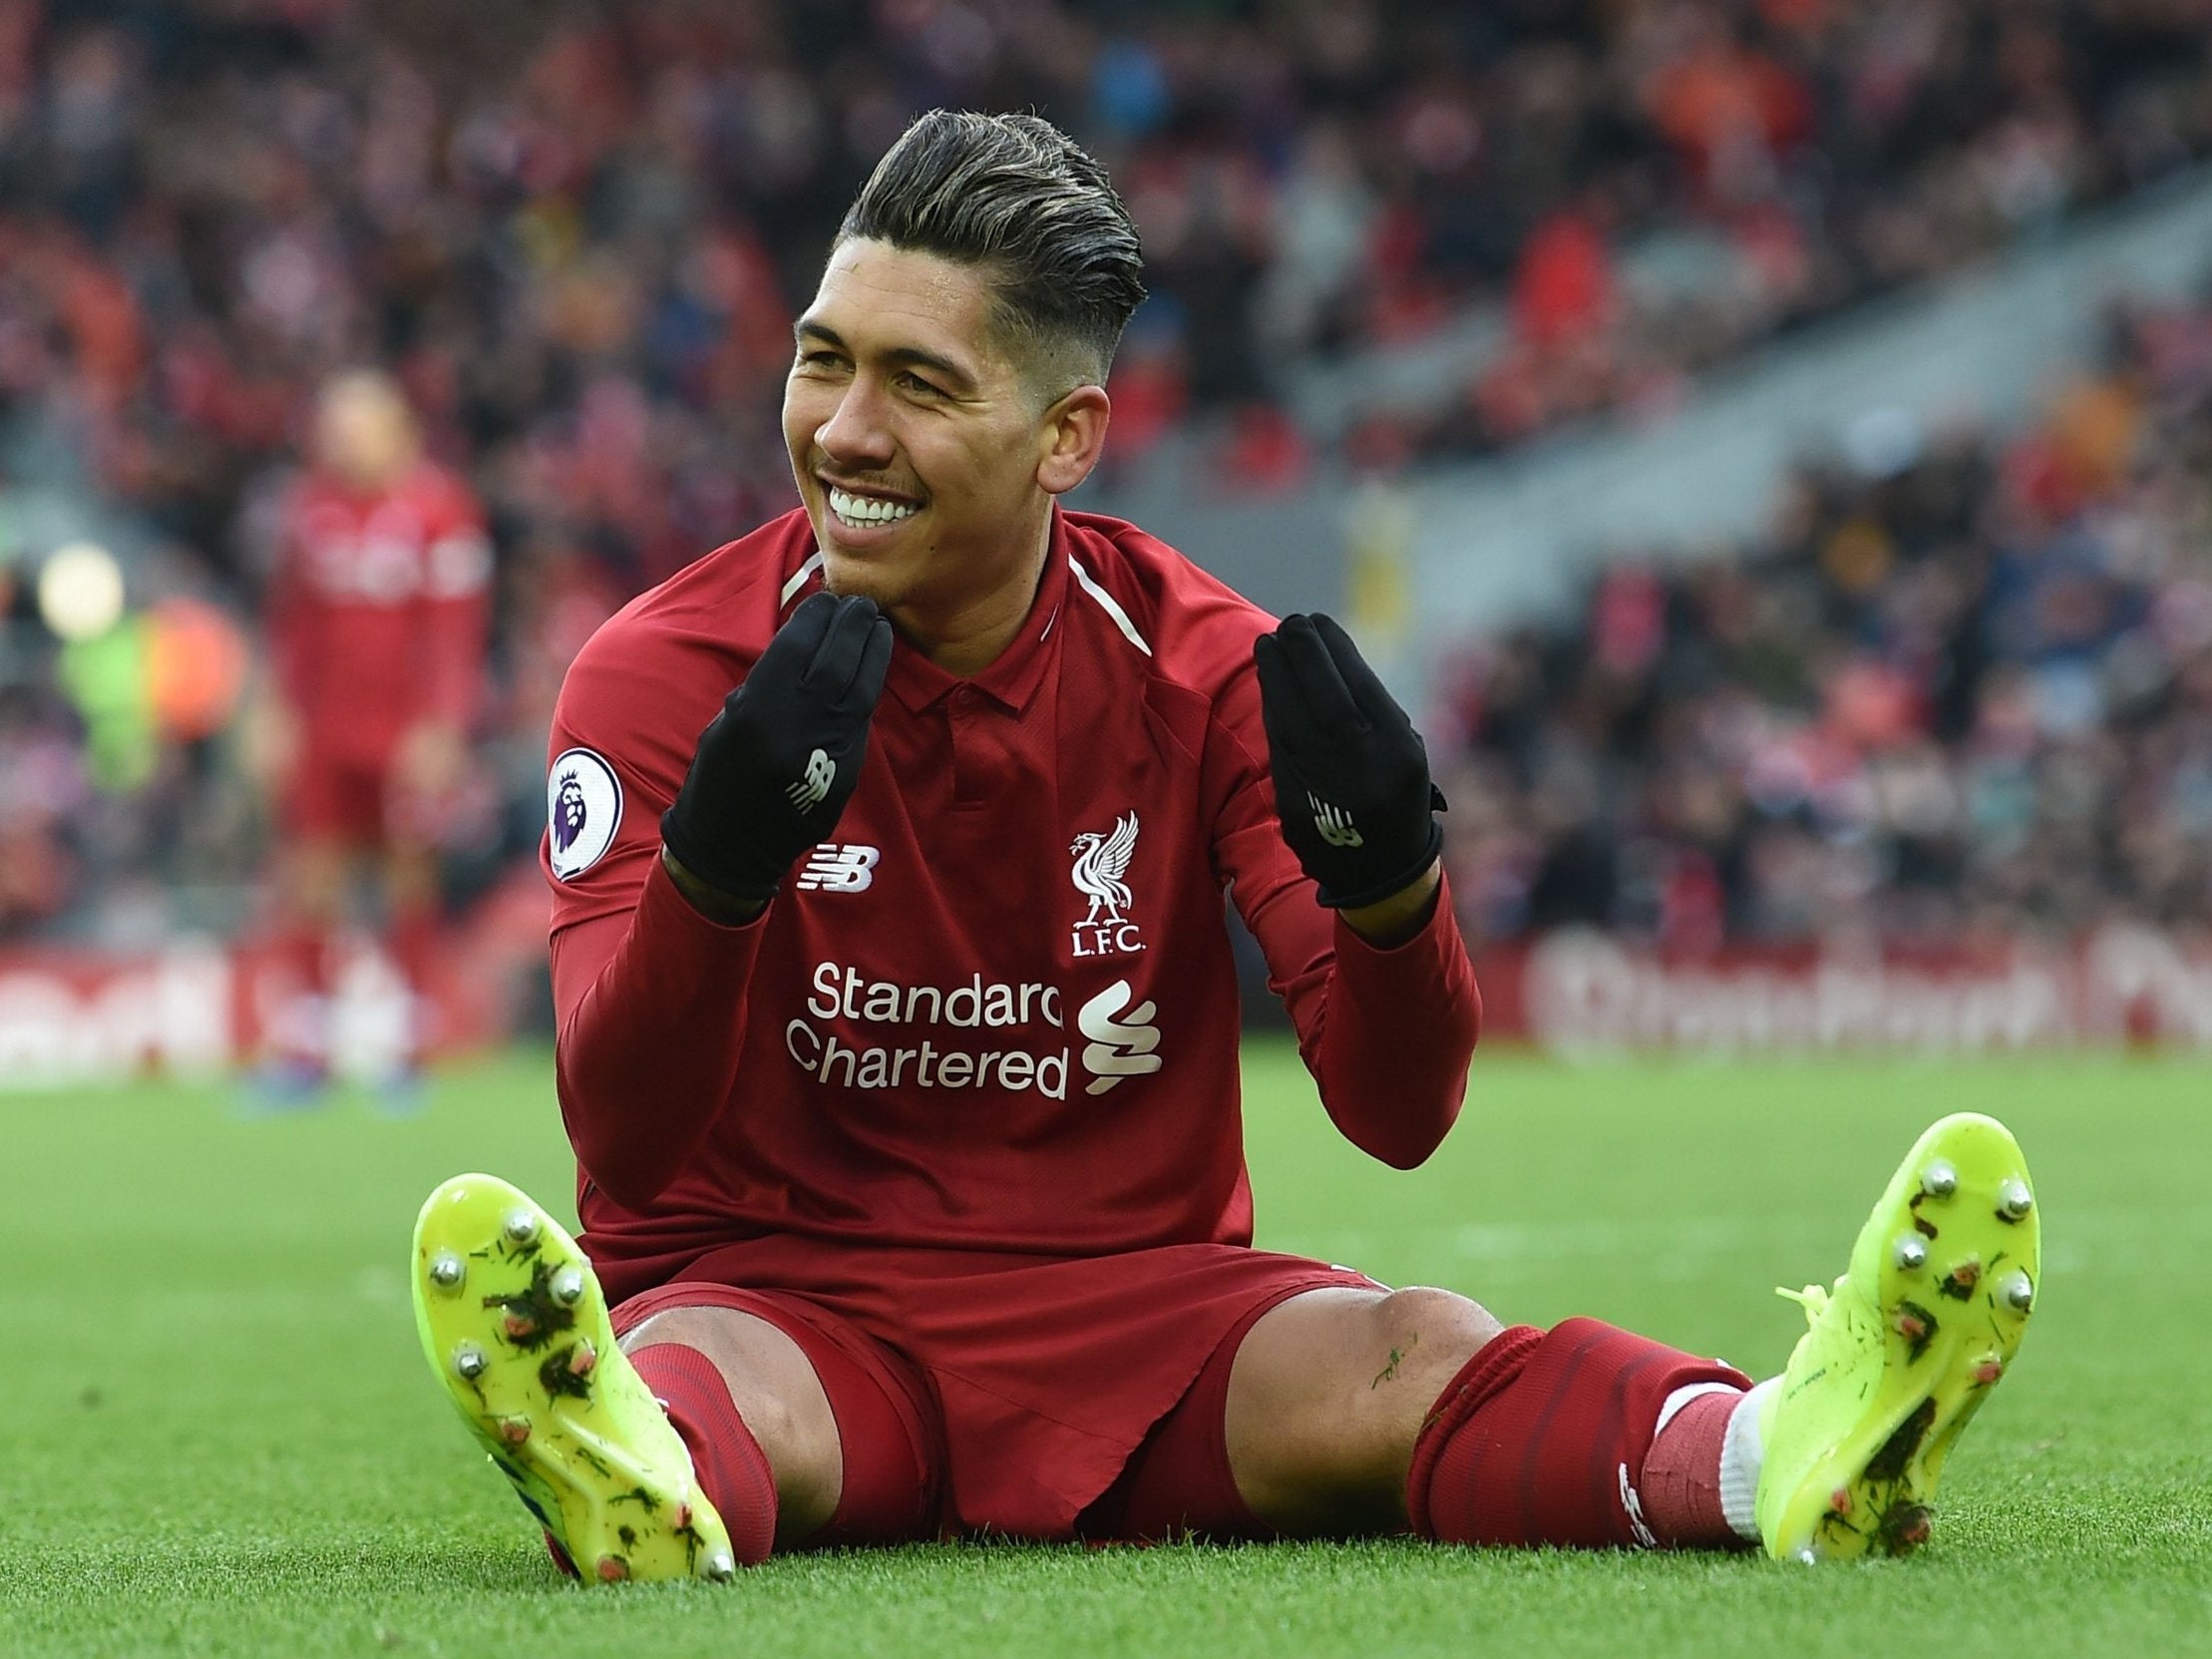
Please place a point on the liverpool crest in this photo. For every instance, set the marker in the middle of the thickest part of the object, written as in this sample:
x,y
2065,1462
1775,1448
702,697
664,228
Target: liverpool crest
x,y
1101,861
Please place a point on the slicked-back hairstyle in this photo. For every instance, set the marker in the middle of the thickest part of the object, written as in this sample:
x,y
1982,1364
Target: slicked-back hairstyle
x,y
1019,199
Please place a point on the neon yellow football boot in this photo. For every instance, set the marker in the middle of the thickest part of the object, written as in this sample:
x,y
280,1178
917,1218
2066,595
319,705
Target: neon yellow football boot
x,y
514,1323
1903,1352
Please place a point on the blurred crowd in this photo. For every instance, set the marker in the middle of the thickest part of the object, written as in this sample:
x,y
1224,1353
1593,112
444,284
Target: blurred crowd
x,y
1669,183
1966,695
579,231
575,231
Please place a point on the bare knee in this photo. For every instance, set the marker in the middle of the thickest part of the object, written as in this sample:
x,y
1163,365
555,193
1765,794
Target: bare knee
x,y
1422,1337
1328,1395
784,1408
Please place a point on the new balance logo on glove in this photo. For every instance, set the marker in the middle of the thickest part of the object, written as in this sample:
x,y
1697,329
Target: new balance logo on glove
x,y
813,788
1334,824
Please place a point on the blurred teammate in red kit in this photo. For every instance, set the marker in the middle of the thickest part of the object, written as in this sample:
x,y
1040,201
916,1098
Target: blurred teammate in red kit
x,y
377,620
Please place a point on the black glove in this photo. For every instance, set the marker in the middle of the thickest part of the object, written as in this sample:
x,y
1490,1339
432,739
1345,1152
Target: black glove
x,y
774,769
1351,783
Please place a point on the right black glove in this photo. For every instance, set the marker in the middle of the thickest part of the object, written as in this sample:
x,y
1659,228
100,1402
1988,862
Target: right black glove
x,y
1351,783
774,769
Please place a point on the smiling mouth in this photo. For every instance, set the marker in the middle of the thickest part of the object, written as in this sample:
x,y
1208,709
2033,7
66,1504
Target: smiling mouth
x,y
859,512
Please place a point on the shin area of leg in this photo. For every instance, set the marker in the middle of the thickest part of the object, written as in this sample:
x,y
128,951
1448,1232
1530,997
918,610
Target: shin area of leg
x,y
1541,1438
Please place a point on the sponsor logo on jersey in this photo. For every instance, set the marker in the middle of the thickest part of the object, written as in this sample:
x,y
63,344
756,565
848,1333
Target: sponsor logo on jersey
x,y
583,808
1334,824
1122,1042
391,556
459,565
1118,1048
1101,860
839,867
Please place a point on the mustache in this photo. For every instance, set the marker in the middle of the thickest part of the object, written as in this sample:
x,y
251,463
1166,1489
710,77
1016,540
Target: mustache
x,y
866,484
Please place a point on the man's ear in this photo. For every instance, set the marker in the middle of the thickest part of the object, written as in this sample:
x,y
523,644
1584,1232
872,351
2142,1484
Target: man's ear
x,y
1074,436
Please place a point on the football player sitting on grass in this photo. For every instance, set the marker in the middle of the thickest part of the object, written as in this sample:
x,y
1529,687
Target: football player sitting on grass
x,y
899,1042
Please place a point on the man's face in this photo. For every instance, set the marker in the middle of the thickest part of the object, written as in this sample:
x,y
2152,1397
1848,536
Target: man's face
x,y
913,440
363,431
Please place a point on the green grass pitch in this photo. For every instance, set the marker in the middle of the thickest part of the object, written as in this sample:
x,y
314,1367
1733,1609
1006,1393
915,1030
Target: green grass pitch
x,y
217,1435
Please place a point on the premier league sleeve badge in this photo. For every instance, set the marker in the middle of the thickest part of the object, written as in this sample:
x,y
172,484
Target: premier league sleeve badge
x,y
583,808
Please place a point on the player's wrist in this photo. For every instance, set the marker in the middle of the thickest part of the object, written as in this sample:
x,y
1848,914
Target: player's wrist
x,y
1386,865
725,854
1399,917
724,909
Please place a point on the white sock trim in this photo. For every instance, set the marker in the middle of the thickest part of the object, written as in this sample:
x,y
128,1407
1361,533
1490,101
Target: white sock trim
x,y
1742,1456
1683,1397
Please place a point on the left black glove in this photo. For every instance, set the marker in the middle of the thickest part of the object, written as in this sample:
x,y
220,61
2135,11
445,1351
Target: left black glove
x,y
775,767
1351,783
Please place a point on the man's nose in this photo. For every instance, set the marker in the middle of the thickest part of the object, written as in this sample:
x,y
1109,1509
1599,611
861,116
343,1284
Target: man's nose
x,y
858,432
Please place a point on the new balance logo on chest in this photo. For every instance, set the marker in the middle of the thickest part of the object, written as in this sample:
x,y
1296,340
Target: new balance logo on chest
x,y
839,867
1101,860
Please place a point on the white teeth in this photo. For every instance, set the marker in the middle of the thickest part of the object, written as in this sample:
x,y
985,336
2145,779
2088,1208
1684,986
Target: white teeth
x,y
860,511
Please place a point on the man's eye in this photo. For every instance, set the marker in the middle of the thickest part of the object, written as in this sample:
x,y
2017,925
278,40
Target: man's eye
x,y
910,382
819,359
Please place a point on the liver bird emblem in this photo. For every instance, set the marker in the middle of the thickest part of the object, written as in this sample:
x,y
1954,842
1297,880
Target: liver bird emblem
x,y
1100,862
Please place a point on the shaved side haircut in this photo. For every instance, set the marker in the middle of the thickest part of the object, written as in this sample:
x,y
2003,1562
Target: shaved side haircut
x,y
1017,197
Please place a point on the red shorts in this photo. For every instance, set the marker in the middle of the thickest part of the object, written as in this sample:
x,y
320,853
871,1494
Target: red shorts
x,y
1019,1392
351,797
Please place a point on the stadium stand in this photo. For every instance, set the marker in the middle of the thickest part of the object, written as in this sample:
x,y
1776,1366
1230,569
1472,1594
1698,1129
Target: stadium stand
x,y
1966,695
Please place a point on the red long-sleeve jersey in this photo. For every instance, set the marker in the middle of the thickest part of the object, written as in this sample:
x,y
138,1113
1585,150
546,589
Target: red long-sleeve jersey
x,y
379,607
998,1012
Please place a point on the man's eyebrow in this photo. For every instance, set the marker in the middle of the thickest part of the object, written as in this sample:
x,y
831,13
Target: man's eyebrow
x,y
906,356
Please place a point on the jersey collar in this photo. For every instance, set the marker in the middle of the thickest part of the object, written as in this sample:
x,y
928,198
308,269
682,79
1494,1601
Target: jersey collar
x,y
1012,680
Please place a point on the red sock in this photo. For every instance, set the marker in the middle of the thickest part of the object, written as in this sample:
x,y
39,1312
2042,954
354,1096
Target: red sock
x,y
1682,1477
296,1019
412,939
733,1471
1542,1437
303,952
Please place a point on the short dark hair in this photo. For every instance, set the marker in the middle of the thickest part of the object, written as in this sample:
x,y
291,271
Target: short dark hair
x,y
1015,194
